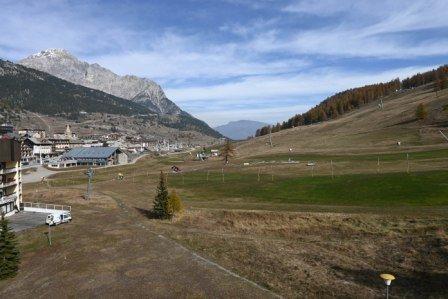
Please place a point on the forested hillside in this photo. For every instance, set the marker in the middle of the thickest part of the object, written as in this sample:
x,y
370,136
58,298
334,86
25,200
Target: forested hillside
x,y
29,89
351,99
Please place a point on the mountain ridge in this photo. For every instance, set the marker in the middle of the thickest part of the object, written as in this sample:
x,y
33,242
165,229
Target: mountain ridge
x,y
62,64
240,129
142,91
30,89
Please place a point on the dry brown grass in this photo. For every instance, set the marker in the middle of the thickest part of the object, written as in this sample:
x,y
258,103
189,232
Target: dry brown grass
x,y
108,252
323,254
365,130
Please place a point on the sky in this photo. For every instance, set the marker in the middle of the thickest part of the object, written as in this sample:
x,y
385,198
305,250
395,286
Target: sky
x,y
225,60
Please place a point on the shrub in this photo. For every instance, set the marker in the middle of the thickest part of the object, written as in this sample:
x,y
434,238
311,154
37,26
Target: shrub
x,y
175,205
421,112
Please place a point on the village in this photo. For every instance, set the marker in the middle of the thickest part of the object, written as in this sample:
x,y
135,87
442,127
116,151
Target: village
x,y
32,149
62,149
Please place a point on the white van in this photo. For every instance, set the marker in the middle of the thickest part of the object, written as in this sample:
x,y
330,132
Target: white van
x,y
58,218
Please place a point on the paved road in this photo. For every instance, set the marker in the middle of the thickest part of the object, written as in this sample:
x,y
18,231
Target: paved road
x,y
36,176
26,220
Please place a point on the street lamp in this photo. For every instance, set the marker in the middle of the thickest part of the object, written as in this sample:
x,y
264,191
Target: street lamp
x,y
387,280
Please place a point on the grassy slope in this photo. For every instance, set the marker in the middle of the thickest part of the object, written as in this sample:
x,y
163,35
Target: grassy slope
x,y
365,130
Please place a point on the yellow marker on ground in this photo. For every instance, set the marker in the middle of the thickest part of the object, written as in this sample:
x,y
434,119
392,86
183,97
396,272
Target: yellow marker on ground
x,y
387,279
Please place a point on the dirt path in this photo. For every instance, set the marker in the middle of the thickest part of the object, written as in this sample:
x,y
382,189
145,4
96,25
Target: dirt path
x,y
36,176
240,284
110,250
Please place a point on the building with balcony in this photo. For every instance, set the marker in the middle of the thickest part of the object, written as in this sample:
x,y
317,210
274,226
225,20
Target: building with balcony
x,y
10,176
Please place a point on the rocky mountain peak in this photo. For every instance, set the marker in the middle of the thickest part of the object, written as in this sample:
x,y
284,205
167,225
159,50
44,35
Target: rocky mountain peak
x,y
52,53
62,64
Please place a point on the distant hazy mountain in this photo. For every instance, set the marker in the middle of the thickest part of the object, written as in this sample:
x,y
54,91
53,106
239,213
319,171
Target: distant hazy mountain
x,y
241,129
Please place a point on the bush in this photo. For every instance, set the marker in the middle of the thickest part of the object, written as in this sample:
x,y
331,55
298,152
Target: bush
x,y
175,205
421,112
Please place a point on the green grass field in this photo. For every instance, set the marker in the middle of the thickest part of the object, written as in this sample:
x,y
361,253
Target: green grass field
x,y
391,189
432,154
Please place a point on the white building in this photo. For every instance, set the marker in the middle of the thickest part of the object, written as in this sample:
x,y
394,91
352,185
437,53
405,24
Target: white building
x,y
10,176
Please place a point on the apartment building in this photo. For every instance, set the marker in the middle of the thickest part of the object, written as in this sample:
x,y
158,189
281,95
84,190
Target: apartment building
x,y
10,175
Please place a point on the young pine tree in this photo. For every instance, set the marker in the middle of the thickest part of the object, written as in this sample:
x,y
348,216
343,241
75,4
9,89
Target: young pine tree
x,y
9,254
421,112
161,208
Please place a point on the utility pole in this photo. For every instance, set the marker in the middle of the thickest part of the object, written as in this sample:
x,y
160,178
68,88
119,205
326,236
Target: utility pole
x,y
89,174
407,160
332,172
378,166
270,136
49,234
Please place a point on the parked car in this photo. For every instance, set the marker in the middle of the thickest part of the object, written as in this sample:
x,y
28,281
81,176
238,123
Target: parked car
x,y
58,218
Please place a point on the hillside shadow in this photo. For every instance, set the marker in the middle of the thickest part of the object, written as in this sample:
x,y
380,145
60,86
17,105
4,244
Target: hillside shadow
x,y
147,213
405,122
414,284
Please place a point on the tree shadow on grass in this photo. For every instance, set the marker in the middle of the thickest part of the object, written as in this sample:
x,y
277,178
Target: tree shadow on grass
x,y
414,284
147,213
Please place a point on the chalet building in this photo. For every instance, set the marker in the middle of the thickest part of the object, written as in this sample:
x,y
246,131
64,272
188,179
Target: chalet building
x,y
60,146
33,148
10,175
33,133
97,156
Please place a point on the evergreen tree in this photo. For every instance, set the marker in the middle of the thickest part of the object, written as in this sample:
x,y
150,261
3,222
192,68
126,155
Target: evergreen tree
x,y
160,209
421,112
9,254
227,151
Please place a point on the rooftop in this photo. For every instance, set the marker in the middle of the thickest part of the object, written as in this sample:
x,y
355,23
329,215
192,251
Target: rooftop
x,y
91,152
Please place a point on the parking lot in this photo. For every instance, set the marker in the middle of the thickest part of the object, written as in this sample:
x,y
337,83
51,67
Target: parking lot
x,y
25,220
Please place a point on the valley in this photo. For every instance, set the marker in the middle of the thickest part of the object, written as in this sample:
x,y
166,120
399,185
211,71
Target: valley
x,y
323,219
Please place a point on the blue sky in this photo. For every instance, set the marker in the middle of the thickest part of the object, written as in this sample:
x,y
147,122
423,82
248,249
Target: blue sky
x,y
224,60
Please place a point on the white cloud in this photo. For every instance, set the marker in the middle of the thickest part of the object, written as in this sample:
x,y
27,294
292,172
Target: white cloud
x,y
221,103
271,88
367,29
